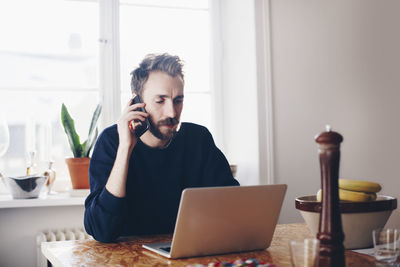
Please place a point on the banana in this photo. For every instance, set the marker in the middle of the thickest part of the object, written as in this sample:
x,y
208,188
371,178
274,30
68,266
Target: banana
x,y
319,195
353,196
360,186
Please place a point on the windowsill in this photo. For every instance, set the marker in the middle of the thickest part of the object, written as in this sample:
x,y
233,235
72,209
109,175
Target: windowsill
x,y
56,199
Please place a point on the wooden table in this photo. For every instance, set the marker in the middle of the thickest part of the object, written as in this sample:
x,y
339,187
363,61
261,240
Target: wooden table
x,y
129,252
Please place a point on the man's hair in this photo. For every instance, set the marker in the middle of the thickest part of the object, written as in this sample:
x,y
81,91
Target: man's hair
x,y
171,65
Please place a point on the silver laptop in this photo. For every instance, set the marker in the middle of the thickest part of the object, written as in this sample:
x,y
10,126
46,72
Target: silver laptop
x,y
218,220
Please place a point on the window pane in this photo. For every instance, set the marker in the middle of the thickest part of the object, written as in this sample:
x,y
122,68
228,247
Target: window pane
x,y
197,109
48,55
43,110
179,28
48,43
182,32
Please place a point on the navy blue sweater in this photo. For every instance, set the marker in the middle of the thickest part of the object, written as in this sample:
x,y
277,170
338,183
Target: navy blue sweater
x,y
156,178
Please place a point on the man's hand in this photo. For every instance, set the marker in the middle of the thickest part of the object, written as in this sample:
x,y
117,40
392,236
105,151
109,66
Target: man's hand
x,y
126,132
116,183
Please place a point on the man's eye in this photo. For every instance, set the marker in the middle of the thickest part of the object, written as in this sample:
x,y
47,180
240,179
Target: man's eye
x,y
178,101
159,101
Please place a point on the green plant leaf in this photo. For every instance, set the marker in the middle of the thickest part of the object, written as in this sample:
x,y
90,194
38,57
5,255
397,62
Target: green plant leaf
x,y
92,136
95,117
69,128
84,145
79,150
91,144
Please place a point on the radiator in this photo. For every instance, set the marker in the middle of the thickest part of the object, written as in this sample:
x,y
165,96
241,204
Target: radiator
x,y
57,235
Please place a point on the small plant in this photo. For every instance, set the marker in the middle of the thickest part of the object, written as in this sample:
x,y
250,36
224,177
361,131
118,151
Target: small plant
x,y
80,150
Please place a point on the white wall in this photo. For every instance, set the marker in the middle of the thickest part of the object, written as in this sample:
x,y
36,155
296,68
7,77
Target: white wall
x,y
337,63
19,227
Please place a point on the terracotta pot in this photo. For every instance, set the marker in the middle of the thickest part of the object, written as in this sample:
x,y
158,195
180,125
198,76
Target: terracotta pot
x,y
79,172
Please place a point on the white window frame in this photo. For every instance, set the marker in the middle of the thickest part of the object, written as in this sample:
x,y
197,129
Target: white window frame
x,y
109,62
264,90
216,85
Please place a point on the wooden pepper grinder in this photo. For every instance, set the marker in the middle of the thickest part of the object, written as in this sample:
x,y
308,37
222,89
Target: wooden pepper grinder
x,y
330,231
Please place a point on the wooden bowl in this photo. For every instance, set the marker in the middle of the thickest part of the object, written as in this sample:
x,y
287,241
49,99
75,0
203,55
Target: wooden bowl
x,y
358,218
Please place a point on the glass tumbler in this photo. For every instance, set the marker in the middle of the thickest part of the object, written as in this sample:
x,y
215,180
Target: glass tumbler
x,y
304,253
386,244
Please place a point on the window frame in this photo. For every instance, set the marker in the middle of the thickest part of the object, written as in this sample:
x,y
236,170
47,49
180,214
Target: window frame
x,y
109,62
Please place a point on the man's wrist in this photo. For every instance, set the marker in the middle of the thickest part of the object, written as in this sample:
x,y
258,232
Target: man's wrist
x,y
125,149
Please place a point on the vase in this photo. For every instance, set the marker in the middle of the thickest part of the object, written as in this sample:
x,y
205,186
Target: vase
x,y
51,173
79,172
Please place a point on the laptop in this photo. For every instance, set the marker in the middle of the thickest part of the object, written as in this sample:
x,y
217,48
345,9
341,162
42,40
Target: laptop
x,y
219,220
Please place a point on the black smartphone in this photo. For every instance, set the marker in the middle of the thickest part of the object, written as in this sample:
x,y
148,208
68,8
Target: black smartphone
x,y
143,125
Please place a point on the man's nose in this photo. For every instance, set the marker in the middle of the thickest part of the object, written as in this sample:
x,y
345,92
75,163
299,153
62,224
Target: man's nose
x,y
170,111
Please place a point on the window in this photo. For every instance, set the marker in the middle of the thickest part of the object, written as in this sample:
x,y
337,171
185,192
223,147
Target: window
x,y
50,54
179,28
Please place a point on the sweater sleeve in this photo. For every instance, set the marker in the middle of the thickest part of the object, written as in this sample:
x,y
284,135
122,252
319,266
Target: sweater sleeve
x,y
104,213
215,170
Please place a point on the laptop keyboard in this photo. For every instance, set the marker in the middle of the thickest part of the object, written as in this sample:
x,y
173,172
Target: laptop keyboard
x,y
167,249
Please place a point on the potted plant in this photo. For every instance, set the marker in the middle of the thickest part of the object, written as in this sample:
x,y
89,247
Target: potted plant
x,y
78,165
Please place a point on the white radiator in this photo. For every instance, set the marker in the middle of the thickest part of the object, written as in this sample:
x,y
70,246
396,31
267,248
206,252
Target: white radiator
x,y
57,235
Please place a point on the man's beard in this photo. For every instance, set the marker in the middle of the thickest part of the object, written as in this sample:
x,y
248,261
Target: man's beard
x,y
155,128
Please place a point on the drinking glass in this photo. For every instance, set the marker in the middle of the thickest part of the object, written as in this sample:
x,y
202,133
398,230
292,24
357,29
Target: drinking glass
x,y
386,244
304,253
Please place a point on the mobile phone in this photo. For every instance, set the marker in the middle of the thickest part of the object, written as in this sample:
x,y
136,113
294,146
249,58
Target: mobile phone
x,y
142,126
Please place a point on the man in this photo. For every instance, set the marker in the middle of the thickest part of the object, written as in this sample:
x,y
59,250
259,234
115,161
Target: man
x,y
136,183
